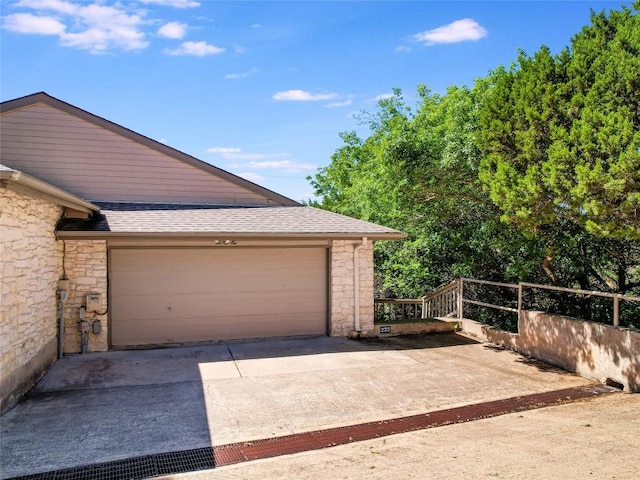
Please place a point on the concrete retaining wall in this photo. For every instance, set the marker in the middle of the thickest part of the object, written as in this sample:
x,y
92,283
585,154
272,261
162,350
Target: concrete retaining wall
x,y
414,328
590,349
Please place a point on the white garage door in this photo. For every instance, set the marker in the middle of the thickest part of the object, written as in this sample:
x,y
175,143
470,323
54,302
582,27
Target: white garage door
x,y
166,295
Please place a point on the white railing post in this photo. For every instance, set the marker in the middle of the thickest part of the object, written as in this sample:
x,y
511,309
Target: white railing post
x,y
616,311
460,298
520,289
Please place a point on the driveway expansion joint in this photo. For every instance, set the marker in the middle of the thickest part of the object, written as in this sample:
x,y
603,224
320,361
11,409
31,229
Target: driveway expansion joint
x,y
149,466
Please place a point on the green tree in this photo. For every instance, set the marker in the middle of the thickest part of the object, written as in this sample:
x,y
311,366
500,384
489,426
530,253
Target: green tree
x,y
417,172
561,134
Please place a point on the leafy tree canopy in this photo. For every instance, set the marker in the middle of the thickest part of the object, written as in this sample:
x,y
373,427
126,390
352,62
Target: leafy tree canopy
x,y
551,145
561,134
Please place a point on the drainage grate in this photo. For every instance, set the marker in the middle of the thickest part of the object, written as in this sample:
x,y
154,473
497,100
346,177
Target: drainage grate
x,y
210,457
302,442
135,468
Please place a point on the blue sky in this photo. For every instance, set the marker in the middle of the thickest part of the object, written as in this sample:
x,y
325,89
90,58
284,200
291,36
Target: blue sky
x,y
262,88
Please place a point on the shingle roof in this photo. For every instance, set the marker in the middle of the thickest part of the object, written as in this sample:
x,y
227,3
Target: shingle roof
x,y
123,219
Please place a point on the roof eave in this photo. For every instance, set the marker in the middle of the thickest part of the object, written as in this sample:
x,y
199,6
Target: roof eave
x,y
26,184
89,235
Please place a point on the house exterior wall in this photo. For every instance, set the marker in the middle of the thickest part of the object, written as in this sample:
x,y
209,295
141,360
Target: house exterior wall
x,y
30,267
99,165
86,267
341,289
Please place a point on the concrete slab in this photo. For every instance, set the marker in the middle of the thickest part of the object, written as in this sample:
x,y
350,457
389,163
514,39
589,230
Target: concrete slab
x,y
136,368
102,407
590,439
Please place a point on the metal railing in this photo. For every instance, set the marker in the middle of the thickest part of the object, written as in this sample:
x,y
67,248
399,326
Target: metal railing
x,y
448,301
615,296
393,310
522,285
442,302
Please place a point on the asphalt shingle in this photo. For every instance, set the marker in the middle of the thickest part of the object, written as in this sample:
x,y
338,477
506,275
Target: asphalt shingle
x,y
145,218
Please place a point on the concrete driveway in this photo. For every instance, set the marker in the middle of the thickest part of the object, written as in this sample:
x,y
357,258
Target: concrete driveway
x,y
107,406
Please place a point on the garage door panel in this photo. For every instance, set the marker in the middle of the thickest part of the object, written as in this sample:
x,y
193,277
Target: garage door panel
x,y
180,306
188,295
165,283
225,328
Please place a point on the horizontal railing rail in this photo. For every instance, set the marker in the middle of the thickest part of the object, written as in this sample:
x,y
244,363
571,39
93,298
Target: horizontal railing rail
x,y
449,300
615,296
397,309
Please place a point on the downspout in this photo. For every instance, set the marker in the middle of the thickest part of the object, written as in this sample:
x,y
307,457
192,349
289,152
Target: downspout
x,y
356,284
62,295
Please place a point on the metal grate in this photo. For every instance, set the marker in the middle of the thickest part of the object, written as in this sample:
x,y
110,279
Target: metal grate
x,y
135,468
210,457
302,442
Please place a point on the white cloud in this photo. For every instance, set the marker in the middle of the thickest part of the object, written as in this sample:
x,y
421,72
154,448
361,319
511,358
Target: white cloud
x,y
285,165
253,156
463,30
302,96
173,30
232,153
247,74
260,161
403,49
223,150
252,177
344,103
33,24
60,6
383,96
95,27
198,49
173,3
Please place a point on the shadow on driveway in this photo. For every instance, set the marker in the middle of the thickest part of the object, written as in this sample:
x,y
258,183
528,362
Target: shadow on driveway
x,y
107,406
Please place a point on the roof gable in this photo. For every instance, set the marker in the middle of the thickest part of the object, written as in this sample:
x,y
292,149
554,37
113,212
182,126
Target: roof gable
x,y
96,159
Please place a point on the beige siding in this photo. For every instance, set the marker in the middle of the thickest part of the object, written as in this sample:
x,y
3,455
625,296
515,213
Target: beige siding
x,y
99,165
164,296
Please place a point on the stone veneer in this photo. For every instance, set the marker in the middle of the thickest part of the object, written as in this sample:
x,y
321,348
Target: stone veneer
x,y
30,266
342,286
86,267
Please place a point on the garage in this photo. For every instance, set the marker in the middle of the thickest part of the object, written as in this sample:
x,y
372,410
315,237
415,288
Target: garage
x,y
176,295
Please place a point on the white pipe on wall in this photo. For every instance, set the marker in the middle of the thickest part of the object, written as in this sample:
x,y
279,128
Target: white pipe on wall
x,y
356,284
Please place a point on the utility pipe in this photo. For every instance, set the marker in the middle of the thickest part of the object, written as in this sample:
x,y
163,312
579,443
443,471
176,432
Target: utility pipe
x,y
356,284
63,298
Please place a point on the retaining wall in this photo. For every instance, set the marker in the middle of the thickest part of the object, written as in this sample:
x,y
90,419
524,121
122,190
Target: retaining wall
x,y
590,349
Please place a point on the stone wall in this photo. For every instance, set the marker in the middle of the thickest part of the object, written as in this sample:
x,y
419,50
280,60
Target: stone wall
x,y
86,267
30,267
341,289
393,329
